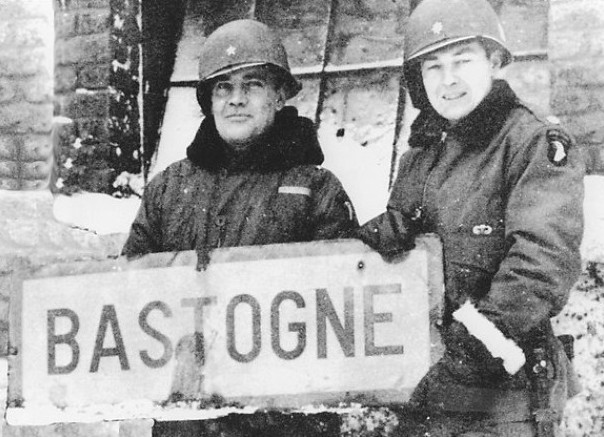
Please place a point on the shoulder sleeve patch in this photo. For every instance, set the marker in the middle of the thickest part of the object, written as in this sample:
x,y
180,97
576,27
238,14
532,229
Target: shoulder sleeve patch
x,y
558,144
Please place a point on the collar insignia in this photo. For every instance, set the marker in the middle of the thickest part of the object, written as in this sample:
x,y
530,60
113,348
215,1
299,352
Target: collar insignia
x,y
482,230
231,50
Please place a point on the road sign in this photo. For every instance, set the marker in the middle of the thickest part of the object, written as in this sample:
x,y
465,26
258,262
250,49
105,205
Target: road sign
x,y
280,326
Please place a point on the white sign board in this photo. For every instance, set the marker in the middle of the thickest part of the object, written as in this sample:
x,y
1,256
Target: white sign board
x,y
273,326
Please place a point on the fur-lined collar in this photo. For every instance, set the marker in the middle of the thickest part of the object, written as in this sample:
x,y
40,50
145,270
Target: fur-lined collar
x,y
477,129
292,141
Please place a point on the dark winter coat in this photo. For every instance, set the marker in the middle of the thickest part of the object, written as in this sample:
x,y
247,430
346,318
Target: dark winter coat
x,y
506,201
275,192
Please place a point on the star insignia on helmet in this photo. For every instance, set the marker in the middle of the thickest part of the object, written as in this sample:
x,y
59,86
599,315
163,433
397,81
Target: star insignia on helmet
x,y
437,27
231,50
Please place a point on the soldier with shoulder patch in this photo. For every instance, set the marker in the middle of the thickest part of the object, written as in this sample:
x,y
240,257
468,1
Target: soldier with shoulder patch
x,y
252,174
504,190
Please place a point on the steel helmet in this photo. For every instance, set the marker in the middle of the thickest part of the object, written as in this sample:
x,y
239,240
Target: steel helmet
x,y
239,44
435,24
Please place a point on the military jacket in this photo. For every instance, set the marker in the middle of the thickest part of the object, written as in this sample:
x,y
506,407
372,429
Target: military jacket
x,y
276,192
504,190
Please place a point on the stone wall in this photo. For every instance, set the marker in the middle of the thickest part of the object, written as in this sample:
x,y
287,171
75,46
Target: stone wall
x,y
25,94
30,237
29,234
576,52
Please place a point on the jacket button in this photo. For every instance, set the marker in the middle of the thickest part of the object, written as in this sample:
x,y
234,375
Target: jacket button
x,y
220,221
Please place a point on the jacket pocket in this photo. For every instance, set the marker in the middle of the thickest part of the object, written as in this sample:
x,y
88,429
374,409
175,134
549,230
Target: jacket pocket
x,y
288,219
471,261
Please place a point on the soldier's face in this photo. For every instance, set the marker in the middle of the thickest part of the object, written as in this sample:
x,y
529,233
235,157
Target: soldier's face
x,y
244,104
457,78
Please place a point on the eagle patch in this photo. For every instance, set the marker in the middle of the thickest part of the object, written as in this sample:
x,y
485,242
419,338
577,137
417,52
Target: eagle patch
x,y
558,144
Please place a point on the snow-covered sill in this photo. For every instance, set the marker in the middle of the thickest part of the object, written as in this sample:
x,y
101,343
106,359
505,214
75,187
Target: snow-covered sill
x,y
98,213
39,415
47,415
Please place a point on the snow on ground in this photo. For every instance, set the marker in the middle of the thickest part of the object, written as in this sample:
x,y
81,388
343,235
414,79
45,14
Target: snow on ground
x,y
592,248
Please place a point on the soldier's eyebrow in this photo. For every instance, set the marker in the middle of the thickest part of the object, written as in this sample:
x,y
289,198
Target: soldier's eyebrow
x,y
221,78
257,74
457,51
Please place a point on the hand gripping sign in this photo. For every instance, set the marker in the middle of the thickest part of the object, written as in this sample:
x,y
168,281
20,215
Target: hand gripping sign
x,y
279,326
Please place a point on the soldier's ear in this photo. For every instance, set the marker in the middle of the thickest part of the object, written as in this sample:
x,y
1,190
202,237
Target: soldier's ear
x,y
496,59
280,99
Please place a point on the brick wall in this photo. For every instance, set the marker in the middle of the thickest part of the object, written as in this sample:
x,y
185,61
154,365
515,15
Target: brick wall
x,y
82,65
25,94
576,52
96,91
82,60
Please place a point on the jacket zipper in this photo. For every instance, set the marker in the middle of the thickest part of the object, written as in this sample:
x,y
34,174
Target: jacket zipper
x,y
220,220
210,220
419,213
221,223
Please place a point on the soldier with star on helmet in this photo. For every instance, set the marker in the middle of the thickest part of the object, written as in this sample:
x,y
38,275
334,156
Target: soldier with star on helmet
x,y
252,176
503,188
253,172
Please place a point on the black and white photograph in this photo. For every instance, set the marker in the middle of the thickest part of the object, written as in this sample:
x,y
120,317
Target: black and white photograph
x,y
302,218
